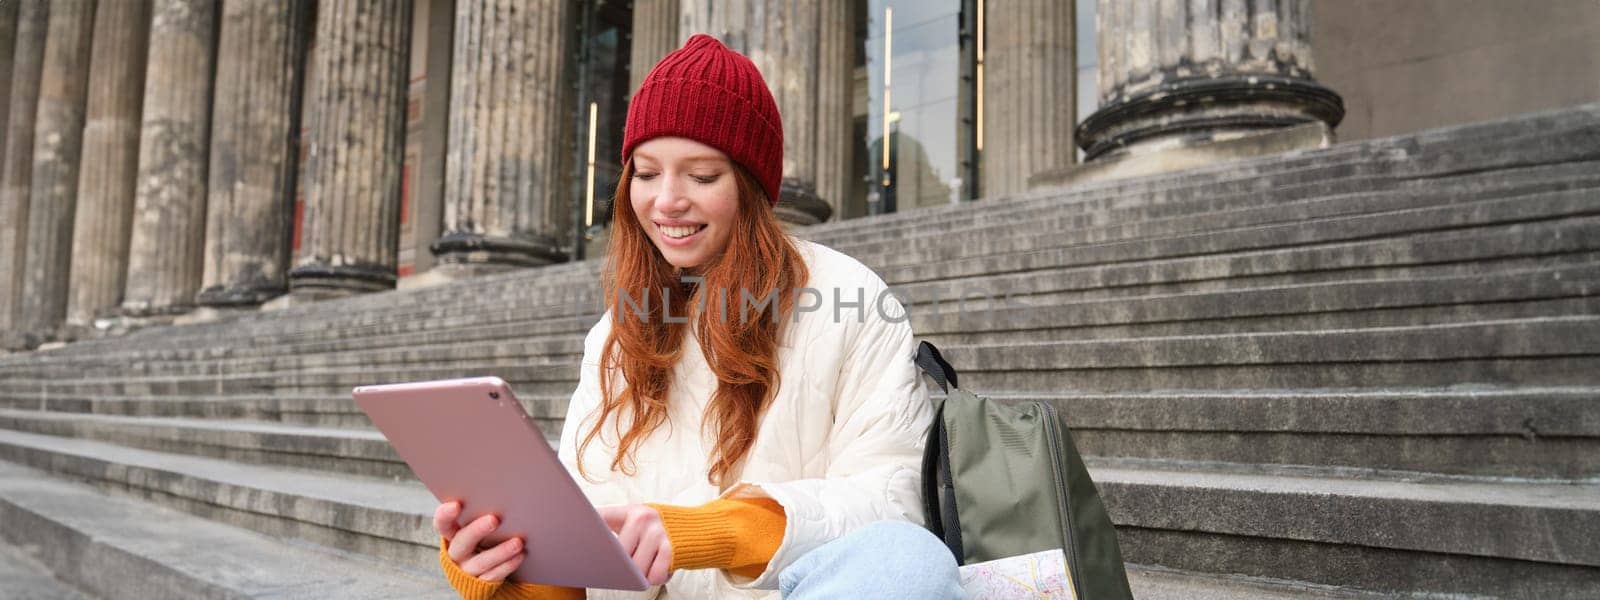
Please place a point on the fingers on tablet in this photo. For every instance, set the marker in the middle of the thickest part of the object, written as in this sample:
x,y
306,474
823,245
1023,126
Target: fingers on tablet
x,y
659,572
444,519
614,515
488,561
504,569
642,536
466,541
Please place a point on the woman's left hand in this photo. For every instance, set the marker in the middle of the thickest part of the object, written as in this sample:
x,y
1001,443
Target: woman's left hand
x,y
643,537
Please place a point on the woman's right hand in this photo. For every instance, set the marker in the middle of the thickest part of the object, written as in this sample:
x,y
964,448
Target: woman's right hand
x,y
492,564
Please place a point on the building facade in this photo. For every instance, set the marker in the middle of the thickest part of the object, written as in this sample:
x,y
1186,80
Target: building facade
x,y
172,159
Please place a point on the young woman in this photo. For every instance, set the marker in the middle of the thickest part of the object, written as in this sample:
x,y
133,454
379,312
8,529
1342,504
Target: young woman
x,y
749,418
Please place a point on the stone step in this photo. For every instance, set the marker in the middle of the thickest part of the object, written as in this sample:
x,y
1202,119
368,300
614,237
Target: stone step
x,y
359,451
319,410
391,521
1341,305
1371,366
356,310
546,277
1556,136
1541,433
542,324
495,284
932,265
115,546
1100,252
1198,215
1505,532
26,577
363,304
555,379
1157,583
360,310
1535,433
1434,157
535,379
1311,307
1106,227
1518,239
1441,536
311,330
1558,412
494,353
95,537
1550,351
1340,169
1561,350
1353,164
1321,196
1565,211
353,451
1435,254
502,349
1297,310
1538,183
1559,209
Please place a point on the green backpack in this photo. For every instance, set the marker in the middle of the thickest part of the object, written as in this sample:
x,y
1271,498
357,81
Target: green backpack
x,y
1002,480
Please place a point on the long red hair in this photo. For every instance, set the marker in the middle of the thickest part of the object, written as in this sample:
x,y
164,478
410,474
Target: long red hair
x,y
760,258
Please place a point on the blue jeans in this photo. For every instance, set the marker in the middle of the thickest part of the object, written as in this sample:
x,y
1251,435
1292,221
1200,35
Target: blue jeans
x,y
886,559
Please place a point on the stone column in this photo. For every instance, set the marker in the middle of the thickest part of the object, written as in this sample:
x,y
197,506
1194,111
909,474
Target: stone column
x,y
1175,74
505,205
254,123
655,33
835,92
168,233
8,47
1029,92
16,172
57,147
351,178
781,37
110,161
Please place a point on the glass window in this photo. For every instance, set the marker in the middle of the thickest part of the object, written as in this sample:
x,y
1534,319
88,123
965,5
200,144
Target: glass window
x,y
913,73
602,78
1088,50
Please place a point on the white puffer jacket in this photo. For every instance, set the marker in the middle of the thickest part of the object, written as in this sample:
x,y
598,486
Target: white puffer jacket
x,y
840,446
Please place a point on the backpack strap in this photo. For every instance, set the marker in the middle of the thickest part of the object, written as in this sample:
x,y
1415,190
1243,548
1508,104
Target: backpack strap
x,y
939,489
938,485
934,365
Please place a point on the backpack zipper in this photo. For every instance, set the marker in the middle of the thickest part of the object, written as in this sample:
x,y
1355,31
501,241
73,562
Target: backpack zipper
x,y
1053,434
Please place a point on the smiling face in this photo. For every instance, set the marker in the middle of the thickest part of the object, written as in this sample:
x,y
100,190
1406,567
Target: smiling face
x,y
685,196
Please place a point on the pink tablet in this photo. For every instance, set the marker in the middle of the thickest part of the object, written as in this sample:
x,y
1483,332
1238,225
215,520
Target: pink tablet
x,y
470,439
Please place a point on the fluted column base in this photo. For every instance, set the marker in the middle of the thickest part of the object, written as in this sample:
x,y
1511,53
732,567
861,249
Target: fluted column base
x,y
1314,134
75,331
143,309
799,204
23,341
530,250
248,295
327,280
1189,112
11,341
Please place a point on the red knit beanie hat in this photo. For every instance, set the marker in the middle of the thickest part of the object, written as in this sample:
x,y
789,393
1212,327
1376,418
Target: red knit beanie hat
x,y
715,96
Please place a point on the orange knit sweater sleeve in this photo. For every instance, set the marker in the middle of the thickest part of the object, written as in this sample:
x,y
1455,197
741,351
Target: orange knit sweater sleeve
x,y
472,588
739,535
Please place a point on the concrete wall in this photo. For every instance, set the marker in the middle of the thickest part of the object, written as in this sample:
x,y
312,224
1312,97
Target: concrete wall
x,y
1416,64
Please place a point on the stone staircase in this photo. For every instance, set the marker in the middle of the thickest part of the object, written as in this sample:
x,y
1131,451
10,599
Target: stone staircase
x,y
1372,369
